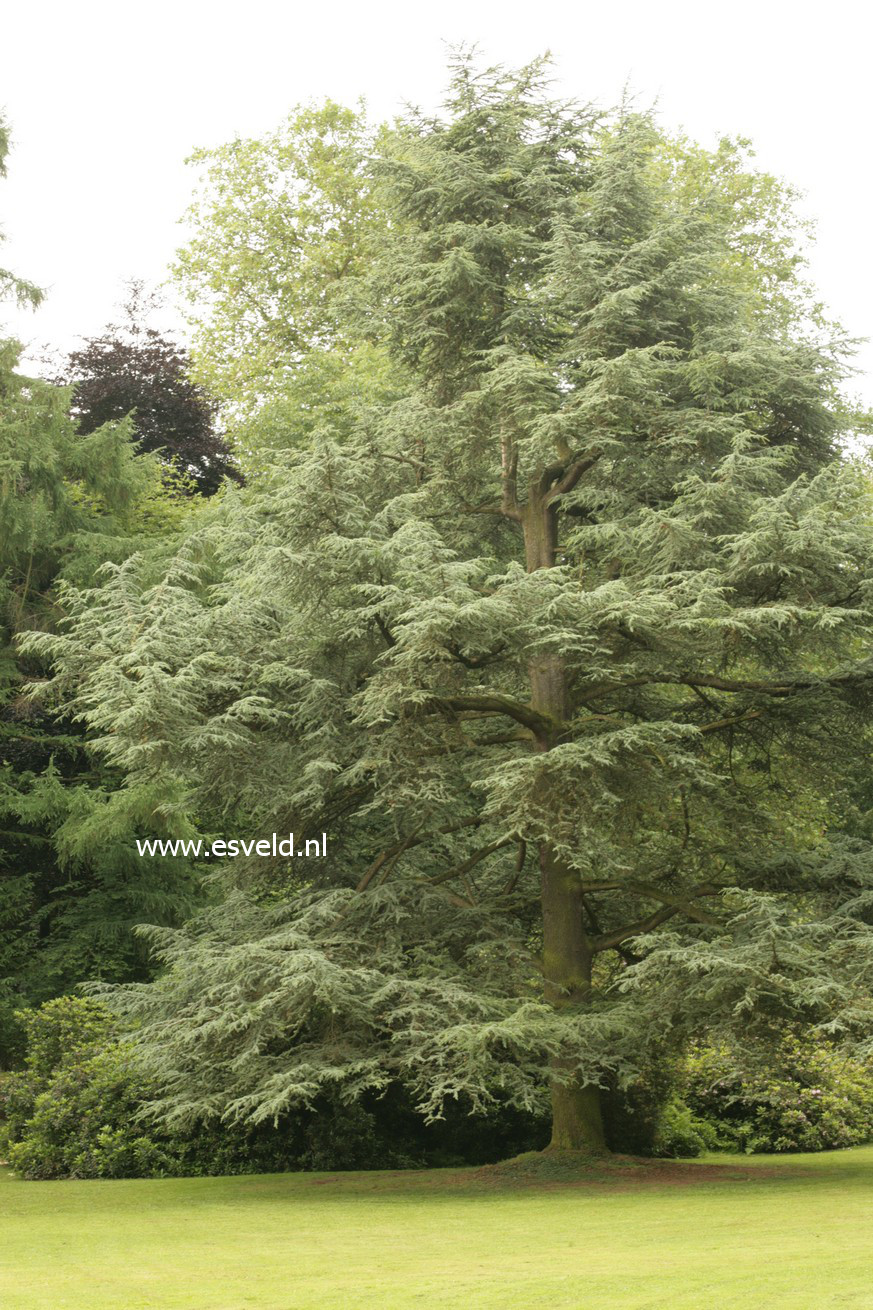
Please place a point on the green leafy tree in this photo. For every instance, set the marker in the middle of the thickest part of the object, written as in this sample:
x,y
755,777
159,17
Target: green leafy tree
x,y
279,228
69,502
564,647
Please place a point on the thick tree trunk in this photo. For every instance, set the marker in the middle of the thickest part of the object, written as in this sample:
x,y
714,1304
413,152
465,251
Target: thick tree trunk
x,y
576,1118
577,1124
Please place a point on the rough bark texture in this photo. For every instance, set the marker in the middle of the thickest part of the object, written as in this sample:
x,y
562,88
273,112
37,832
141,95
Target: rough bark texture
x,y
577,1123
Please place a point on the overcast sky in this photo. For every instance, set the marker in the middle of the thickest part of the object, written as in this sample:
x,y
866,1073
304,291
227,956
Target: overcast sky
x,y
106,100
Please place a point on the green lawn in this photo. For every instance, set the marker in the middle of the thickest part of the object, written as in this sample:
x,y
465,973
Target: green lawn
x,y
758,1234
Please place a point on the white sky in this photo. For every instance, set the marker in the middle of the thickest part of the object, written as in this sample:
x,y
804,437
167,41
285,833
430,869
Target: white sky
x,y
106,99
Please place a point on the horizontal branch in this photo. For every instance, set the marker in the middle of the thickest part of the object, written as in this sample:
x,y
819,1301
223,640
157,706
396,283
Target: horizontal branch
x,y
503,511
502,738
684,903
417,464
719,724
496,704
671,906
781,688
608,941
475,661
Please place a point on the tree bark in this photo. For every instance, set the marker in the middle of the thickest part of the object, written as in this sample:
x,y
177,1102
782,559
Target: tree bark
x,y
577,1124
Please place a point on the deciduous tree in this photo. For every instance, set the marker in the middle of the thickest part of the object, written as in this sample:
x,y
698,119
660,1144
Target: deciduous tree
x,y
135,370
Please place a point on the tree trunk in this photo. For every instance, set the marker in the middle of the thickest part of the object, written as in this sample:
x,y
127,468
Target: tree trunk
x,y
577,1124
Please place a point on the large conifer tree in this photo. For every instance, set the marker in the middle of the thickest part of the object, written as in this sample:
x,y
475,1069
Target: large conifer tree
x,y
563,643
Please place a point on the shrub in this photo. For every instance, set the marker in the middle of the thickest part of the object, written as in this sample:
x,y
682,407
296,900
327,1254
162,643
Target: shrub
x,y
681,1133
795,1092
74,1112
632,1114
70,1113
800,1095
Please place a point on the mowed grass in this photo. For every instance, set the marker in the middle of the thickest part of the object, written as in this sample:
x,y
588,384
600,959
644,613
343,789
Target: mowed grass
x,y
759,1233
